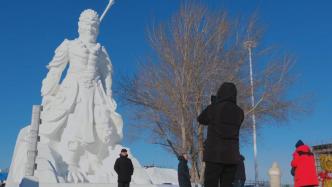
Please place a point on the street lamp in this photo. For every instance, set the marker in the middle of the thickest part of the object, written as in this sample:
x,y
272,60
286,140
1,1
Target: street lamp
x,y
250,44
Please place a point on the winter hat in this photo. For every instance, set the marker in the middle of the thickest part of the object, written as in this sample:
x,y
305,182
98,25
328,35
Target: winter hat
x,y
123,150
299,143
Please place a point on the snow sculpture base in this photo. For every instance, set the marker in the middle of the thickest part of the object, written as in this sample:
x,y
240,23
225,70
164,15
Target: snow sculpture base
x,y
143,177
32,182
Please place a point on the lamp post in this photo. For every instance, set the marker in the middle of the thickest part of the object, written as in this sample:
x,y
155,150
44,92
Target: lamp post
x,y
249,45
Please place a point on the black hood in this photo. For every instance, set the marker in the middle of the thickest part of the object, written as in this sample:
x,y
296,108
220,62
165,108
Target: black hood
x,y
227,92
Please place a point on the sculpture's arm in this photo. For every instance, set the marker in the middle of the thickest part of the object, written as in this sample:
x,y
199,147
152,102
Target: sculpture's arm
x,y
106,72
56,67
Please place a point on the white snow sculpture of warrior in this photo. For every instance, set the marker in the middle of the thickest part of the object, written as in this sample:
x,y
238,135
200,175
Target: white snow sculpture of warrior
x,y
80,131
79,112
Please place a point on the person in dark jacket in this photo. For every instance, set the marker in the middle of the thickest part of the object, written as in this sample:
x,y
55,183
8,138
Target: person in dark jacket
x,y
240,175
221,154
303,166
183,171
124,168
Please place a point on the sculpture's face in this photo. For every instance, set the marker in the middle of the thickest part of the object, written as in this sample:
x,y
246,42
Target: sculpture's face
x,y
88,31
88,26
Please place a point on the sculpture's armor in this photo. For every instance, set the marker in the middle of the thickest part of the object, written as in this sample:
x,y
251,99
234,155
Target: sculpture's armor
x,y
83,63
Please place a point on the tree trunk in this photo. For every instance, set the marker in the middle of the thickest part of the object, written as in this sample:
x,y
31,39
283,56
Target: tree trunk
x,y
183,137
194,169
183,134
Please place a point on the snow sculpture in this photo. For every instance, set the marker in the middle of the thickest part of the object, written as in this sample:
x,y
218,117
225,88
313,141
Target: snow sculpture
x,y
80,130
79,113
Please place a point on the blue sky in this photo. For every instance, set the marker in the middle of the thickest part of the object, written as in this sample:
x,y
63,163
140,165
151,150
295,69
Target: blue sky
x,y
31,30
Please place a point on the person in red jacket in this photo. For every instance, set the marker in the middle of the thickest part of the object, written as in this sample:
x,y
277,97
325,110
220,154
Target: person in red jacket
x,y
303,166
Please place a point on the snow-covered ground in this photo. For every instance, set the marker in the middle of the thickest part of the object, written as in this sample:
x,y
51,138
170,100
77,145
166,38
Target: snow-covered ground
x,y
162,175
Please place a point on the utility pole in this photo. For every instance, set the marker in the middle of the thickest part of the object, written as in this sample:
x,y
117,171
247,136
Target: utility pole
x,y
249,45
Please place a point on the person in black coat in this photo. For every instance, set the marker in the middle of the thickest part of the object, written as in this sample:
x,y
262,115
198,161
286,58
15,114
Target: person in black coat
x,y
183,171
221,148
240,175
124,168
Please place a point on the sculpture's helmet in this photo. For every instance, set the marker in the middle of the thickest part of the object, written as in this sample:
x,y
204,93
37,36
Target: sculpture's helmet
x,y
89,16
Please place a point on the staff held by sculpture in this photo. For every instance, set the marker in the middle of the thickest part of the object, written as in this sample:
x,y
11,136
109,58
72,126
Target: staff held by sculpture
x,y
110,4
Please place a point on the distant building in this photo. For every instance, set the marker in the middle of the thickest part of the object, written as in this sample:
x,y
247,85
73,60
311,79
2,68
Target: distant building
x,y
318,150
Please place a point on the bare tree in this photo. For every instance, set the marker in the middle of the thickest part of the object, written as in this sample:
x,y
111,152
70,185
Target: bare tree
x,y
194,52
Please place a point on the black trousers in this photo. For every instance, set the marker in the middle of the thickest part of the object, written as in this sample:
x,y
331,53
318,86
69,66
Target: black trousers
x,y
123,184
238,183
219,174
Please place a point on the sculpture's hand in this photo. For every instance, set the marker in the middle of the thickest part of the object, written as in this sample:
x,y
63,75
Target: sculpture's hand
x,y
75,175
96,49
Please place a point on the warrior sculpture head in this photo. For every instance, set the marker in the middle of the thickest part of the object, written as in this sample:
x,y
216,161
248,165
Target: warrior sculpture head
x,y
88,26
